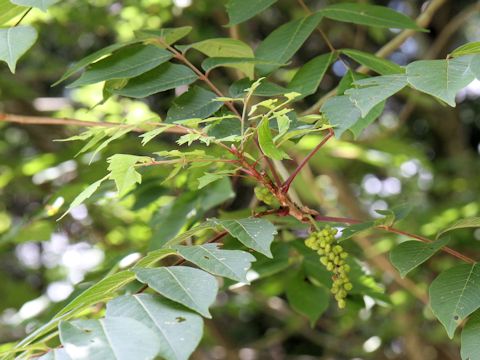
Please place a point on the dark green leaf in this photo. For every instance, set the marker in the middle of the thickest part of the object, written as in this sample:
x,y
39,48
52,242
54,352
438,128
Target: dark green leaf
x,y
165,77
167,36
190,287
375,63
242,10
195,103
410,254
461,224
308,77
371,15
471,338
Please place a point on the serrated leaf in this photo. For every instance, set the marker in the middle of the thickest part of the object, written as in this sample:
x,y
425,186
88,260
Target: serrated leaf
x,y
125,63
375,63
167,36
40,4
461,224
190,287
195,103
209,178
225,47
150,135
179,330
307,299
122,171
371,15
14,42
308,77
84,195
112,338
342,114
371,91
440,78
112,134
467,49
254,233
232,264
265,140
284,42
165,77
242,10
471,339
455,294
410,254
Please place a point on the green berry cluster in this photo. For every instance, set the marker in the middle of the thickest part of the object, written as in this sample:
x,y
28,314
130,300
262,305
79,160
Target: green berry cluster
x,y
332,256
263,194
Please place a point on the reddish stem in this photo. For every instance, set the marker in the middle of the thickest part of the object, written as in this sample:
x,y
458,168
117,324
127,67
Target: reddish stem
x,y
288,182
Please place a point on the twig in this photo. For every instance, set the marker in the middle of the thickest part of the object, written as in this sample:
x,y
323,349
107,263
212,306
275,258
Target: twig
x,y
23,17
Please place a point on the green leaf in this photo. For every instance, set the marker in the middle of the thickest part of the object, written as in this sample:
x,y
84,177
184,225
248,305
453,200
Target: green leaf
x,y
196,103
40,4
371,15
84,195
266,142
455,294
165,77
150,135
179,330
285,41
209,178
92,58
308,77
99,292
343,115
371,91
307,299
254,233
461,224
122,171
225,47
14,42
8,11
153,257
410,254
471,338
55,354
351,230
440,78
232,264
242,10
125,63
190,287
375,63
167,36
236,63
113,338
467,49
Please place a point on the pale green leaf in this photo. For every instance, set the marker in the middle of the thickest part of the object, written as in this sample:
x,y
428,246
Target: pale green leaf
x,y
122,171
461,224
112,134
242,10
467,49
308,77
125,63
55,354
371,15
112,338
40,4
455,294
369,92
153,257
232,264
375,63
167,36
239,63
179,330
254,233
471,338
265,140
209,178
307,299
165,77
441,78
284,42
190,287
14,42
410,254
150,135
84,195
8,11
196,103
